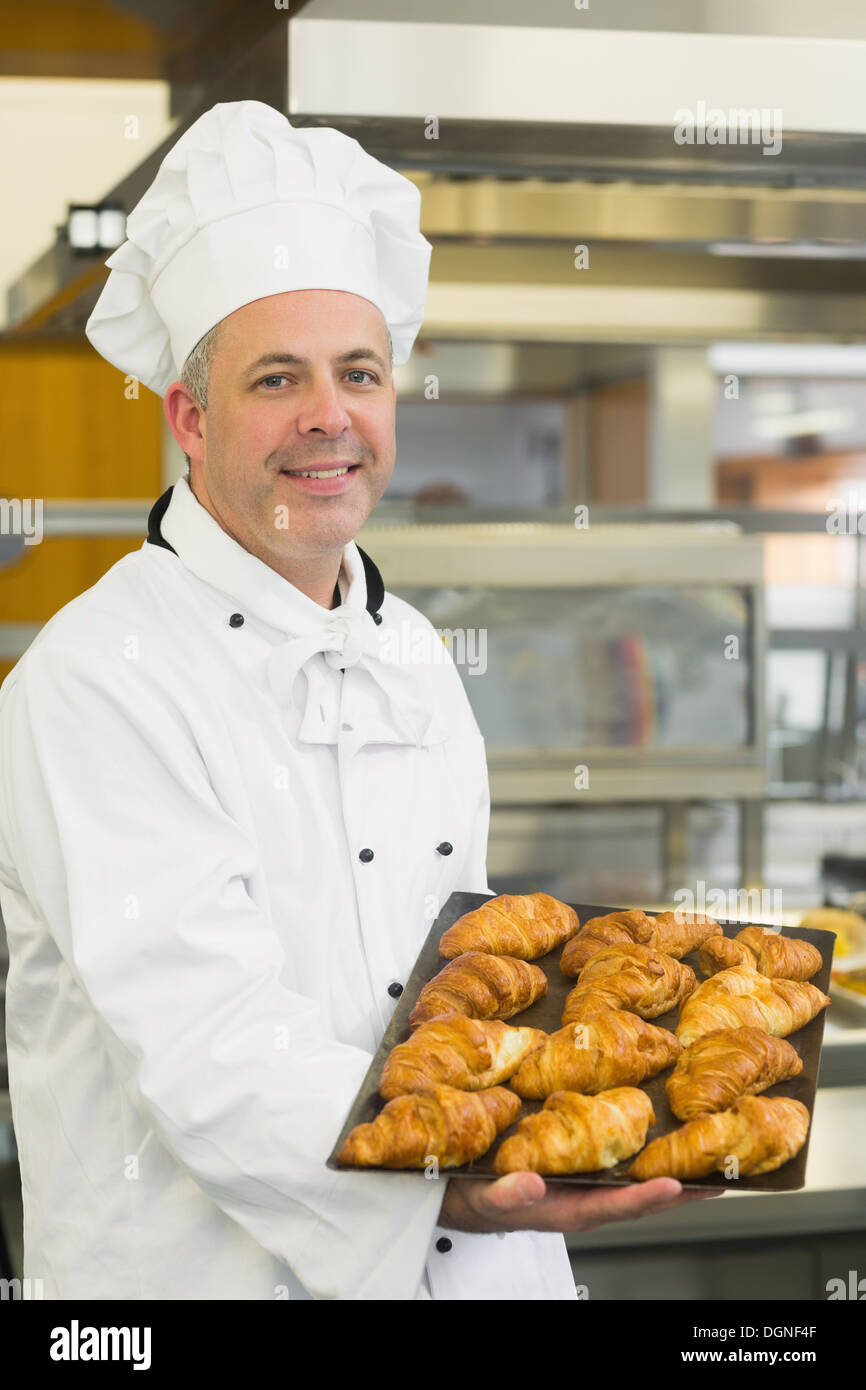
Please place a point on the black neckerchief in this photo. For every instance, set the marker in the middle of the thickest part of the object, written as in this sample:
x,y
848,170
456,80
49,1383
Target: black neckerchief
x,y
375,583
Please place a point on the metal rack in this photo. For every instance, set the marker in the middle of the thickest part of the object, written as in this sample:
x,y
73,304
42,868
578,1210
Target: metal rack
x,y
544,556
398,530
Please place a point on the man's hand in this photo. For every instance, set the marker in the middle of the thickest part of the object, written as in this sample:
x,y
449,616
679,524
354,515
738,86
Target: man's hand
x,y
524,1202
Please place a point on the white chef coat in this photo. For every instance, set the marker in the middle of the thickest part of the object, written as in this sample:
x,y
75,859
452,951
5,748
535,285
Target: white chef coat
x,y
200,958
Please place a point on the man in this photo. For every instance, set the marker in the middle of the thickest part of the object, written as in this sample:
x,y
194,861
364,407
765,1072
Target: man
x,y
227,821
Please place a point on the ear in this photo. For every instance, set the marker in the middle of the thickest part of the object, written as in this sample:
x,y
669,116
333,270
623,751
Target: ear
x,y
184,418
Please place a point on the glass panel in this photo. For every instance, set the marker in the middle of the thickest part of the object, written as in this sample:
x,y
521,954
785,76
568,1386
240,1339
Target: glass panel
x,y
618,668
797,686
809,741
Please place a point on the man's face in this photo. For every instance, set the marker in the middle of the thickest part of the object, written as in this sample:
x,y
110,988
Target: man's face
x,y
298,381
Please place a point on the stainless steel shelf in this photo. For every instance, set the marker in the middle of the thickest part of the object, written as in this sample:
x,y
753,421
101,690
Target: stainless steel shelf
x,y
834,1198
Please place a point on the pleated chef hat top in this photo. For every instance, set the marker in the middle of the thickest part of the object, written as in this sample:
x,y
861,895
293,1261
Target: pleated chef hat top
x,y
244,206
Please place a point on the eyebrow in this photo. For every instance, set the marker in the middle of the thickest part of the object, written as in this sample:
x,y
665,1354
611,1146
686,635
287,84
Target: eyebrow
x,y
285,359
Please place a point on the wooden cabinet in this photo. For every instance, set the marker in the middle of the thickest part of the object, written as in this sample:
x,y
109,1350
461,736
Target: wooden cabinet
x,y
72,427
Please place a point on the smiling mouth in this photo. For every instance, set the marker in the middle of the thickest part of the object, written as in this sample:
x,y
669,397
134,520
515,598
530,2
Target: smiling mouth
x,y
321,472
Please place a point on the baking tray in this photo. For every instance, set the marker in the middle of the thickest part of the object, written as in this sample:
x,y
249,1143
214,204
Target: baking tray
x,y
545,1014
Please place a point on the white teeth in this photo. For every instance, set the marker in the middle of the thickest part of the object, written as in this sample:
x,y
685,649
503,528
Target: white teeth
x,y
330,473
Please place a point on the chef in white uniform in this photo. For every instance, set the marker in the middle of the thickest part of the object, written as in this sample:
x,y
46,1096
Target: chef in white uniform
x,y
229,813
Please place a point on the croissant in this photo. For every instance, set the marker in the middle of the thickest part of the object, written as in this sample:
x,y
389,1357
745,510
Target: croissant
x,y
480,986
457,1051
721,1066
675,933
760,1132
614,929
578,1134
611,1049
740,997
638,978
780,957
512,925
723,953
451,1126
765,950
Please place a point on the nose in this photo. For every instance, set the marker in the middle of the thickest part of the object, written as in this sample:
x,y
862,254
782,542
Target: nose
x,y
322,411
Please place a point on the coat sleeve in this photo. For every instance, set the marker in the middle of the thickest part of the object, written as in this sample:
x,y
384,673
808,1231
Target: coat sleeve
x,y
126,854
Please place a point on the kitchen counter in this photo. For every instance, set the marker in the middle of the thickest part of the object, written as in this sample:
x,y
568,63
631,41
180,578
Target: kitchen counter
x,y
834,1198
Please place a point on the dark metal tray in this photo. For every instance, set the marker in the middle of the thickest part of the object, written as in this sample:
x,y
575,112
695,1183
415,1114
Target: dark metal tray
x,y
545,1013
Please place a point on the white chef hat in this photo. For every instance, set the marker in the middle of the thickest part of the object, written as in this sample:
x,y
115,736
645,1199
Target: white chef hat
x,y
244,206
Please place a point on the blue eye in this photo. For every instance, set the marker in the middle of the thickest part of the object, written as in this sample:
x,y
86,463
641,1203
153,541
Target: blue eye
x,y
272,382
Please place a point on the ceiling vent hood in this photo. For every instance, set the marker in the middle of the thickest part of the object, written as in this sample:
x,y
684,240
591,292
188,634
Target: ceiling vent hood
x,y
569,102
529,134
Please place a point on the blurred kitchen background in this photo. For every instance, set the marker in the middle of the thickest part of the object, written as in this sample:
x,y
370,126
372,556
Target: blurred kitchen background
x,y
631,468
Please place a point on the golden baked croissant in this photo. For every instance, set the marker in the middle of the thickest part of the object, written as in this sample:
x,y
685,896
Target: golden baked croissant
x,y
578,1134
614,929
675,933
638,978
723,953
740,997
457,1051
780,957
765,950
451,1126
480,986
611,1049
721,1066
526,926
760,1132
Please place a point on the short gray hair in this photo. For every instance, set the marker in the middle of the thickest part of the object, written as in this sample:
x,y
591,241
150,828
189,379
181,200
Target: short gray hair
x,y
196,369
195,374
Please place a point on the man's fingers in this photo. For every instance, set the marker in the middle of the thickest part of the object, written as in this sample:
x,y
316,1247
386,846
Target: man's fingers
x,y
516,1192
526,1202
526,1195
614,1203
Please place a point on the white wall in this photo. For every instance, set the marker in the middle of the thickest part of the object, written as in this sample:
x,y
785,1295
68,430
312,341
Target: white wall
x,y
63,141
